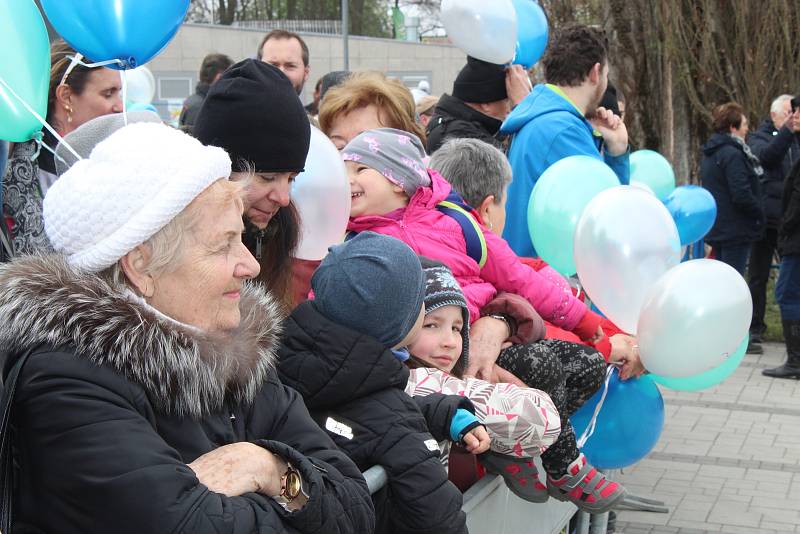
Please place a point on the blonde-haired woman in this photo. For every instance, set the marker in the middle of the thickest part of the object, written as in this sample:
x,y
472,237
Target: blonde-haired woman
x,y
365,101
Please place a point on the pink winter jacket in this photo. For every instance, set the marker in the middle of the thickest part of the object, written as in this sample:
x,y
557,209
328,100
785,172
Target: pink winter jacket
x,y
435,235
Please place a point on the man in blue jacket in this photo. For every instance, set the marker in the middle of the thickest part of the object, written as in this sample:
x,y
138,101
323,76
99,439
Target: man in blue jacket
x,y
559,119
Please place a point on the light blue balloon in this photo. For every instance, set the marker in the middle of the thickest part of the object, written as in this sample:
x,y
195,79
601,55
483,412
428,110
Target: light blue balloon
x,y
556,203
651,168
532,32
694,210
133,31
628,425
709,378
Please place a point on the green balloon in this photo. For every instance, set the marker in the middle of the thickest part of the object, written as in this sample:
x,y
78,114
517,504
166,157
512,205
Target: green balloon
x,y
652,169
556,204
24,66
709,378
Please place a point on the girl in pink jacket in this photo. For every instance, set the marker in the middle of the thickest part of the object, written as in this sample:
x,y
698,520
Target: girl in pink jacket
x,y
394,194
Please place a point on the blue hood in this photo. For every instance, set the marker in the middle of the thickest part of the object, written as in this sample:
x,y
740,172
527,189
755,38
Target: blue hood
x,y
541,101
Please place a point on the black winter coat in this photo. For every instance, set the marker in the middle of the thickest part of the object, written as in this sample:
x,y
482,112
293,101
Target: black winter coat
x,y
728,175
453,119
789,234
777,150
114,402
354,388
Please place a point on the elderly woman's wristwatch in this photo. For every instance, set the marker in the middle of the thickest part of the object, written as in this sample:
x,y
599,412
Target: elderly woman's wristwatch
x,y
291,486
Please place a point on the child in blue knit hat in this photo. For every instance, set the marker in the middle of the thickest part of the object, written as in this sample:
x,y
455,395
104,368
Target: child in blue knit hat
x,y
344,353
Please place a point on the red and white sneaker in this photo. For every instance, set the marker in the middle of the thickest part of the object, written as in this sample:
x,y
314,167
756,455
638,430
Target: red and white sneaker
x,y
586,487
520,475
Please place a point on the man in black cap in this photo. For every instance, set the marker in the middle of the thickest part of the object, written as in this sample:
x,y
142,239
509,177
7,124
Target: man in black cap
x,y
483,95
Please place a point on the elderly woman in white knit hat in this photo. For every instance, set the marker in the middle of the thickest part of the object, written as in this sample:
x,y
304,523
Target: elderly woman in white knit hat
x,y
140,363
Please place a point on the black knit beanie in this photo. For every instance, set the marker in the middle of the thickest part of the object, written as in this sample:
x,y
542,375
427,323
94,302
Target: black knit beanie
x,y
254,113
480,82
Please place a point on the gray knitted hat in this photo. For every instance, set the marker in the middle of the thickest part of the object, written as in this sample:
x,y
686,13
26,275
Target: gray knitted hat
x,y
372,284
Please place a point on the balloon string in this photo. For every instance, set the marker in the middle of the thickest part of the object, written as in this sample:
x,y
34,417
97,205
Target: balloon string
x,y
53,152
78,59
587,433
39,118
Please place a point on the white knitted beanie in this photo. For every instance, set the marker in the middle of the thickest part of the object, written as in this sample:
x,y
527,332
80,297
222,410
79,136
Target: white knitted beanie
x,y
131,186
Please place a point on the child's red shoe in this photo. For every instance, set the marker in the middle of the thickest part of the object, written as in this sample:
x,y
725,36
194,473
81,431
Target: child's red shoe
x,y
586,487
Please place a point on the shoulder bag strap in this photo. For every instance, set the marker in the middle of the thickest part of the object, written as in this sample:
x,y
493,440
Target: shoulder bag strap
x,y
6,459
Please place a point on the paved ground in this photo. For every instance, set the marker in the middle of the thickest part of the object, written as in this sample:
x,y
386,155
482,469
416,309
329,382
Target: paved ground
x,y
728,460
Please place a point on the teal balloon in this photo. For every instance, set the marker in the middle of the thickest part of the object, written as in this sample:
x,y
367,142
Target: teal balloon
x,y
653,169
709,378
556,203
24,66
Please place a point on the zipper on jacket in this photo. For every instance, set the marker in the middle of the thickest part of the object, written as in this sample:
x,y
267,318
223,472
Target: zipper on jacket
x,y
259,237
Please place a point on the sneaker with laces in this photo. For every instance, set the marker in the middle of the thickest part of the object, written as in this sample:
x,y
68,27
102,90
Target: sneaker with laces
x,y
586,487
520,475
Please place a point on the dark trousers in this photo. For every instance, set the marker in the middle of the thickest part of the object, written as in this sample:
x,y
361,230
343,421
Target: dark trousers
x,y
570,373
734,255
758,270
787,289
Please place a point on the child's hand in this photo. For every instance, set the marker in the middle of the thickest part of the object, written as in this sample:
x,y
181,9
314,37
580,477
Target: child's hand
x,y
477,440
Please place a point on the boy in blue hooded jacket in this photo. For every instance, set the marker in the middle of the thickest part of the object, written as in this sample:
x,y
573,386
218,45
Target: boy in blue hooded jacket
x,y
561,119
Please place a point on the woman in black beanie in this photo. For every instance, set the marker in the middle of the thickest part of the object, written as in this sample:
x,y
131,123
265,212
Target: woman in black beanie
x,y
253,112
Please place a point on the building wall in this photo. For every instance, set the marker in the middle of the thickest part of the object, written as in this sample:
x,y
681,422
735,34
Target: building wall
x,y
176,67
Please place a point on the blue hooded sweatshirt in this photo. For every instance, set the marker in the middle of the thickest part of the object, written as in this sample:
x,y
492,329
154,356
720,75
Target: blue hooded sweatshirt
x,y
547,127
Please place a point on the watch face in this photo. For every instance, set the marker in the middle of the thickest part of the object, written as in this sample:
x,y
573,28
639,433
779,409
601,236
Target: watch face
x,y
292,484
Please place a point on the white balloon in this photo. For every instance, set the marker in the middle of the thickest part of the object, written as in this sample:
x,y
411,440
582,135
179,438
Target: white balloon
x,y
643,186
625,240
141,85
484,29
321,195
694,318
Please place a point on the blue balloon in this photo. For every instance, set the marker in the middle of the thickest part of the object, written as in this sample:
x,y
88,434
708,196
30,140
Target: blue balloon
x,y
132,31
694,210
628,425
531,32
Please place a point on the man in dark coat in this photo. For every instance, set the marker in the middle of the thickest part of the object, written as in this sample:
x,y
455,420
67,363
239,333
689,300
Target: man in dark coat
x,y
776,145
787,289
213,66
483,95
337,352
731,173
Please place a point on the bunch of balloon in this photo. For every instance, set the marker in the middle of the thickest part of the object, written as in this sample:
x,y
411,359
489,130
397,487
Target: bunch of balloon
x,y
627,425
624,241
24,70
556,203
321,194
694,321
531,32
484,30
126,33
694,211
652,169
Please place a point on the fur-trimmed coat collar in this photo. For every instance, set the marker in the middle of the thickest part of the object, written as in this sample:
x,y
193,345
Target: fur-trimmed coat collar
x,y
184,372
